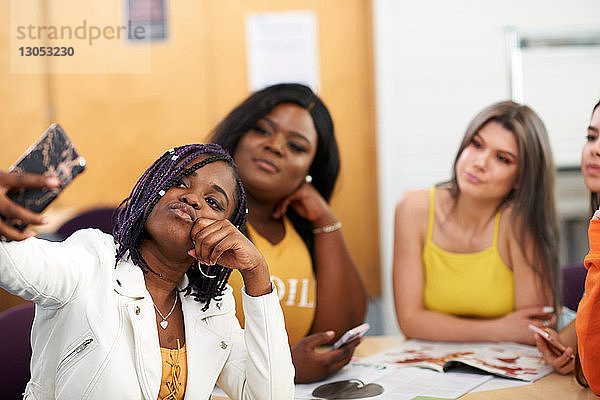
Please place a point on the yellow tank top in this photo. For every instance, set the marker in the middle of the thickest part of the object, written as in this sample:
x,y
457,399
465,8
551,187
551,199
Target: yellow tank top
x,y
174,373
292,274
466,284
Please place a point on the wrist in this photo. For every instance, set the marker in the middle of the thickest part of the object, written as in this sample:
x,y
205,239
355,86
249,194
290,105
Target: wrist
x,y
494,331
326,218
257,280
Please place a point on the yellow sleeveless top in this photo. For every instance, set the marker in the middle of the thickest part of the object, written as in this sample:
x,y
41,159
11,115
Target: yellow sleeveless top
x,y
466,284
174,373
292,274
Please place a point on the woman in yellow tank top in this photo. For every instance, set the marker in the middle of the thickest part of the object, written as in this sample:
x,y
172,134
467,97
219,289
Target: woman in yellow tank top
x,y
475,259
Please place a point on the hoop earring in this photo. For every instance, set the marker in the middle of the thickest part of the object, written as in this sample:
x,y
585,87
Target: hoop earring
x,y
204,274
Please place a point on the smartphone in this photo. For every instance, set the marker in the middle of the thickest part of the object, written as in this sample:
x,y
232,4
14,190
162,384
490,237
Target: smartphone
x,y
53,155
546,336
351,334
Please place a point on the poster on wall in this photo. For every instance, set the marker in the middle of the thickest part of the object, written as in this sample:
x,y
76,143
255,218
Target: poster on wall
x,y
282,47
147,20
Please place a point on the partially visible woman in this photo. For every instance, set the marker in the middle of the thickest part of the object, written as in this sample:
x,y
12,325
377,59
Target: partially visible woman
x,y
567,361
588,322
146,314
476,258
282,140
564,361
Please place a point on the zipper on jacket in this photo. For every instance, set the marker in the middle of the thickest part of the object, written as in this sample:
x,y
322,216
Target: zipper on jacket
x,y
76,351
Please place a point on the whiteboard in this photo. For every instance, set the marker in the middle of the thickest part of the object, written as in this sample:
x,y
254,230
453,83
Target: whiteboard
x,y
561,82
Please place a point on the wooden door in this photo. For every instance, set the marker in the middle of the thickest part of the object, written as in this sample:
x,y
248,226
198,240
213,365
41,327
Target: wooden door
x,y
121,122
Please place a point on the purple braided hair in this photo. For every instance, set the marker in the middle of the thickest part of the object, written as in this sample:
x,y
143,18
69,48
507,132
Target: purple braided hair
x,y
131,215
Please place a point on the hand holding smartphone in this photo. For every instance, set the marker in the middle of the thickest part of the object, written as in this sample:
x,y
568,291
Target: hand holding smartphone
x,y
546,336
52,155
351,334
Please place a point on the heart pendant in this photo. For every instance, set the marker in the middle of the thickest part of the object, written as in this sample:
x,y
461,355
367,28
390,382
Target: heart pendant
x,y
164,324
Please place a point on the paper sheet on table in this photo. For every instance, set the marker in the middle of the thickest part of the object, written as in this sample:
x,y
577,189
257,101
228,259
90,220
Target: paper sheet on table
x,y
402,383
500,383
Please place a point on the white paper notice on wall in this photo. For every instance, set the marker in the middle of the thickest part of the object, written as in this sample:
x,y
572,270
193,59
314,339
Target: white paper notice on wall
x,y
282,47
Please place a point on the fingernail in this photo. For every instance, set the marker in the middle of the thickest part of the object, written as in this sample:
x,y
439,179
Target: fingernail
x,y
52,181
330,333
192,253
44,220
30,234
548,309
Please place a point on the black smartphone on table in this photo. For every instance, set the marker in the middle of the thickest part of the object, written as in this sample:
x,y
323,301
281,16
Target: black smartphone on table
x,y
52,155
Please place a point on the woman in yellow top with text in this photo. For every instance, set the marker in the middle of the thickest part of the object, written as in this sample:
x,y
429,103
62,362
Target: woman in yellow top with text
x,y
282,140
476,258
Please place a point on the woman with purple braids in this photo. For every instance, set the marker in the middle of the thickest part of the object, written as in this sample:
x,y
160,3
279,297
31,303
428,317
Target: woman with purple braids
x,y
147,314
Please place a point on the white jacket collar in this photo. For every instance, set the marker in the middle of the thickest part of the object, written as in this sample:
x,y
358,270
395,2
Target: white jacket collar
x,y
128,280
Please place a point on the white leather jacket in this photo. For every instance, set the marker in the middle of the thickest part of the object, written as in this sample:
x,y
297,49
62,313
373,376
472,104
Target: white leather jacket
x,y
94,335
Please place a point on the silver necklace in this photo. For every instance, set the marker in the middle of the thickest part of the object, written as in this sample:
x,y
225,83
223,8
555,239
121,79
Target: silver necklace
x,y
164,323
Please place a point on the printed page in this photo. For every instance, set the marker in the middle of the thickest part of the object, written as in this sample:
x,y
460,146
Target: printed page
x,y
510,360
497,383
394,383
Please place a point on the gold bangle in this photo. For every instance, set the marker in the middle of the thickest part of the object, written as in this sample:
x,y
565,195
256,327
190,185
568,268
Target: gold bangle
x,y
328,228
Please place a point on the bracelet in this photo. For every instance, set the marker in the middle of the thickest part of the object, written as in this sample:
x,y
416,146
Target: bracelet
x,y
328,228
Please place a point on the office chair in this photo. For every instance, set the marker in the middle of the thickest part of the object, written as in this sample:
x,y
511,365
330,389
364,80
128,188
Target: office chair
x,y
15,349
573,284
100,218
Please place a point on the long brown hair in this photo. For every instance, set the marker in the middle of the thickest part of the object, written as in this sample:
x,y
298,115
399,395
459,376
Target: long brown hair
x,y
533,199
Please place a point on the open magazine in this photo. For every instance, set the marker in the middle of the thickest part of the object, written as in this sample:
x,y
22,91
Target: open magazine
x,y
509,360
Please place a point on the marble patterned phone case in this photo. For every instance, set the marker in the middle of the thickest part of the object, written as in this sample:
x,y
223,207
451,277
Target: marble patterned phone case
x,y
53,155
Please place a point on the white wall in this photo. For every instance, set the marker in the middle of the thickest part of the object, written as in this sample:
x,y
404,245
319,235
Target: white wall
x,y
437,63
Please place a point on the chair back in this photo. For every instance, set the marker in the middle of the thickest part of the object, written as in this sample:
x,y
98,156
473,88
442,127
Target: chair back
x,y
100,218
573,284
15,349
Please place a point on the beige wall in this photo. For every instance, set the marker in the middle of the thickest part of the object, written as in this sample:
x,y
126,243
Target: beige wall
x,y
122,122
